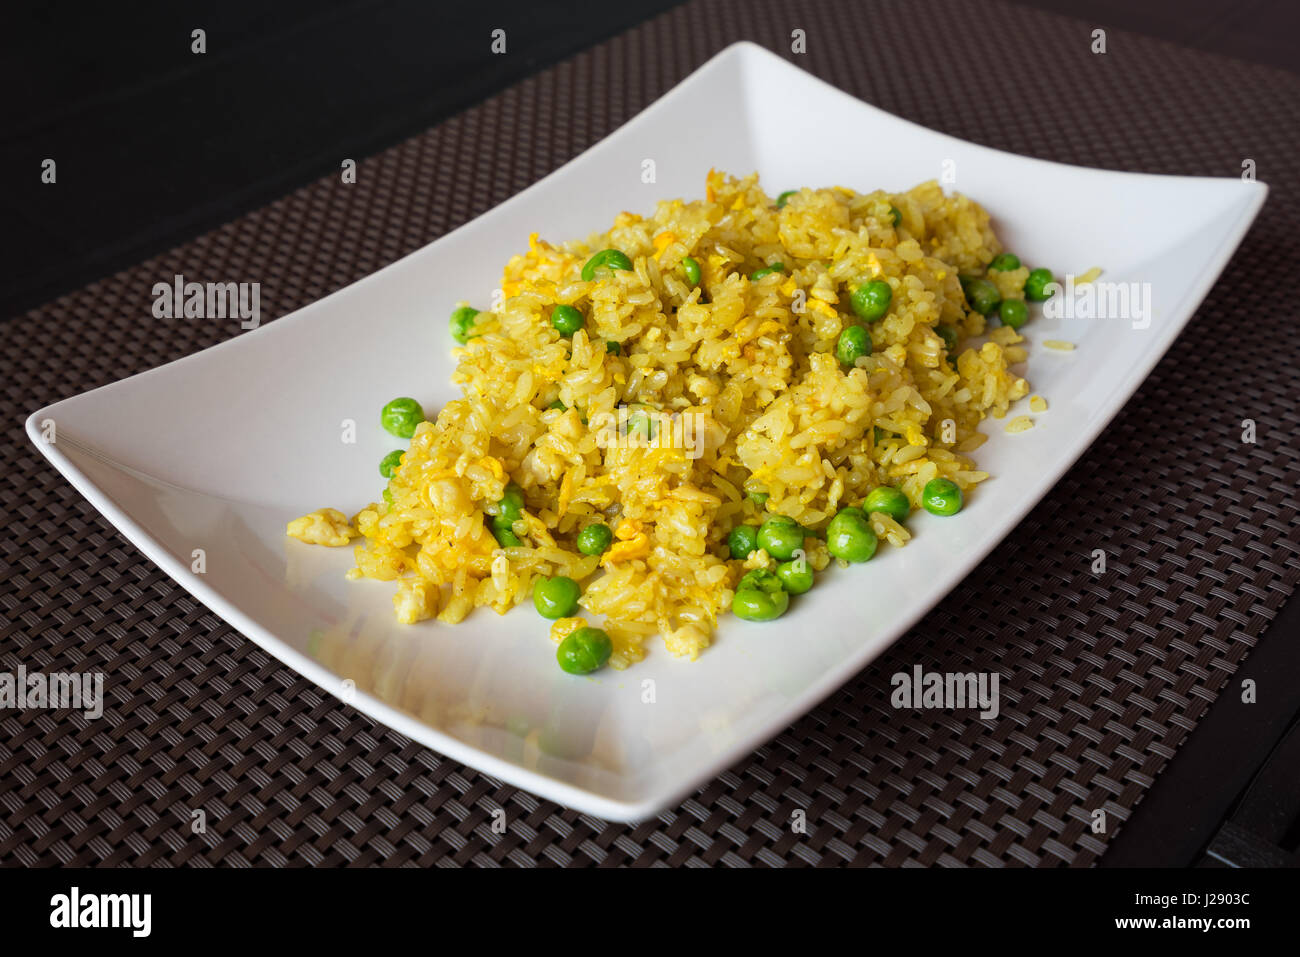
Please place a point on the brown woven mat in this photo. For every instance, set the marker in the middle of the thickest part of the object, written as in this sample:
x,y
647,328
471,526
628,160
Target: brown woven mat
x,y
1103,677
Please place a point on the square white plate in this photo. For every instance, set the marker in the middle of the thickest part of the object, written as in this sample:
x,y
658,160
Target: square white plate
x,y
218,450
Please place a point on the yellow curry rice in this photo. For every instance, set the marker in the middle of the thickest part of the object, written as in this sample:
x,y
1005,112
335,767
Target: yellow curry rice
x,y
749,364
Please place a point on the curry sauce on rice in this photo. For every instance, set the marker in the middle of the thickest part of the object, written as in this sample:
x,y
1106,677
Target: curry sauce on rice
x,y
672,415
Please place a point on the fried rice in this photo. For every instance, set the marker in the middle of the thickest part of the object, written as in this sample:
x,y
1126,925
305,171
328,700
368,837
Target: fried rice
x,y
739,391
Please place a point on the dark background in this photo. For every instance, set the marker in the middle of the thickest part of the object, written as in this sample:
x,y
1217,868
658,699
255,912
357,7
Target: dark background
x,y
287,90
284,93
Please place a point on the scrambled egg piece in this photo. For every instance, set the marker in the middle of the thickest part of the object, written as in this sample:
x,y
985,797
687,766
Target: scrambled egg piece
x,y
325,526
564,627
824,308
416,600
636,547
686,642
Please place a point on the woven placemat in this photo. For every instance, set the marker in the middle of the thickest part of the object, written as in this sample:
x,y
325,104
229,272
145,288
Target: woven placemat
x,y
1102,676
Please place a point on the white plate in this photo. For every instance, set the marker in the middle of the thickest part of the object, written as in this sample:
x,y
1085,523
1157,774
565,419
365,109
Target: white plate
x,y
218,450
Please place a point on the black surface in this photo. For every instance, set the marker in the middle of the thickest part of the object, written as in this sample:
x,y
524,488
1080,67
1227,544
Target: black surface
x,y
189,141
285,92
1259,31
1183,820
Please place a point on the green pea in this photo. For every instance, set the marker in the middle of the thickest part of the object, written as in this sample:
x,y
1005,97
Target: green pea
x,y
948,334
462,323
505,537
742,540
584,650
766,271
796,577
895,216
1004,263
612,348
785,198
389,463
595,539
556,597
871,300
888,500
510,511
691,269
401,416
941,496
512,504
983,296
566,320
760,596
758,498
853,344
750,605
557,404
1013,313
849,536
781,536
1036,284
612,258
